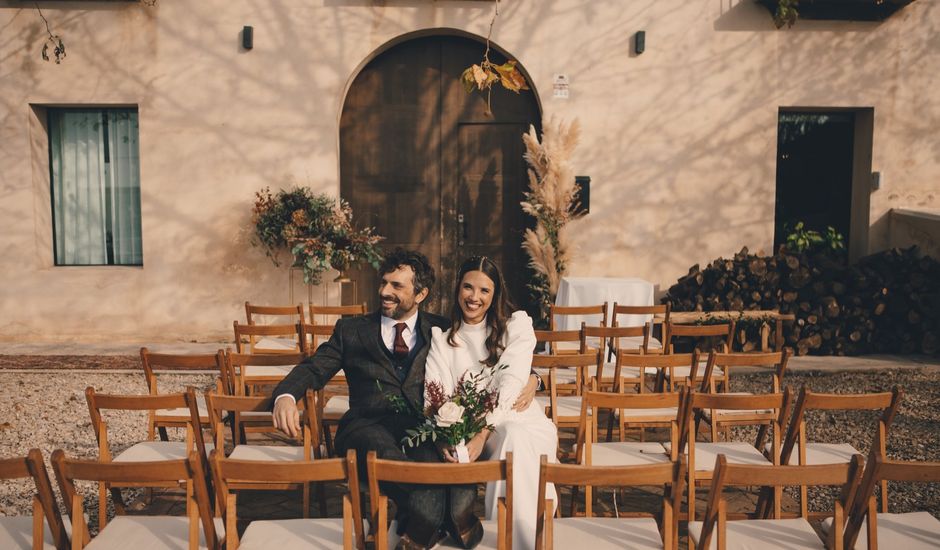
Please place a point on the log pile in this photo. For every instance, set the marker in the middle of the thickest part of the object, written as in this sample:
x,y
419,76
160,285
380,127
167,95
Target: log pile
x,y
888,302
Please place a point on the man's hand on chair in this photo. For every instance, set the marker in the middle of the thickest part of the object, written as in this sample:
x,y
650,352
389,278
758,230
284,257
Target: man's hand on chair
x,y
286,417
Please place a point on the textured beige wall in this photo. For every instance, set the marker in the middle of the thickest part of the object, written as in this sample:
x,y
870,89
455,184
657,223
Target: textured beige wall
x,y
680,141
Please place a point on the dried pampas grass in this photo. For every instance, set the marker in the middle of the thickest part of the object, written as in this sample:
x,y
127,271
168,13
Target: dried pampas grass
x,y
550,201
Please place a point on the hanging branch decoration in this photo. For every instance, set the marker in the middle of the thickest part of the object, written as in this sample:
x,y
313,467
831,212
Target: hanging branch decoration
x,y
551,200
786,13
53,39
482,76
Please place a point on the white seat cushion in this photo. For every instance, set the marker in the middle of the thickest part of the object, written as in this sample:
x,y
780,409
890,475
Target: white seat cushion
x,y
150,533
822,453
608,370
911,531
267,452
275,344
267,371
287,534
568,405
636,342
761,534
602,533
562,376
736,452
684,372
147,451
336,405
627,453
16,533
162,414
664,414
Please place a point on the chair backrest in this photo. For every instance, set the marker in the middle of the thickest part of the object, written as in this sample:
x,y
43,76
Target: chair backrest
x,y
580,363
722,331
598,314
593,401
138,474
554,338
655,316
292,332
314,335
670,473
846,476
227,470
326,314
699,401
653,363
234,364
44,502
774,362
428,473
610,338
237,405
153,362
881,470
294,314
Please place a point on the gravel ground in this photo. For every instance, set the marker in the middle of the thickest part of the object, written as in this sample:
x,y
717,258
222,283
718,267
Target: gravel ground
x,y
48,411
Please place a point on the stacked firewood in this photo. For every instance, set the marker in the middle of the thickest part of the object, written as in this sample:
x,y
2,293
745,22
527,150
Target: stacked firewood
x,y
885,303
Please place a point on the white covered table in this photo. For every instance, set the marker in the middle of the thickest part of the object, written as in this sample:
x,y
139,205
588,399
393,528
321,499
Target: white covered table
x,y
591,291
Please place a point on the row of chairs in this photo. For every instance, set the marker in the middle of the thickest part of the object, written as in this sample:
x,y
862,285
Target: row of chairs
x,y
297,335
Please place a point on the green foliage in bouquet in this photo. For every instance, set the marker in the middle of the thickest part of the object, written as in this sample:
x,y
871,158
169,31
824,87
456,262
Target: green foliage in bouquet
x,y
316,228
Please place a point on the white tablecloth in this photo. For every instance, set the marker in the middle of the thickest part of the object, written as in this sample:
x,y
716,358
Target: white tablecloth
x,y
591,291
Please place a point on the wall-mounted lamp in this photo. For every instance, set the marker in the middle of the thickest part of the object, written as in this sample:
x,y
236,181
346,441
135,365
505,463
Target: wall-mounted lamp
x,y
639,42
248,37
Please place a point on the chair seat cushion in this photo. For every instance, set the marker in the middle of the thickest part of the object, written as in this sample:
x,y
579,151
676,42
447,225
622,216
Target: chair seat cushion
x,y
707,413
636,533
270,343
760,534
562,376
147,451
16,533
183,412
267,452
627,453
822,453
684,372
735,451
287,534
911,531
150,533
608,370
336,406
267,371
664,414
568,405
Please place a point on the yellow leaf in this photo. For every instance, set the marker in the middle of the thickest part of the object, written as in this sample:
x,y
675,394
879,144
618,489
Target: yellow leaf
x,y
479,76
467,79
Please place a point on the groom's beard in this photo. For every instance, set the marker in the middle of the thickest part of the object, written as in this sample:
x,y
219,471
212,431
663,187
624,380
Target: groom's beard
x,y
398,310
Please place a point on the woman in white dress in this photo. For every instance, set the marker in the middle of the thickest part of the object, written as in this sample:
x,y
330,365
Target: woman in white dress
x,y
484,334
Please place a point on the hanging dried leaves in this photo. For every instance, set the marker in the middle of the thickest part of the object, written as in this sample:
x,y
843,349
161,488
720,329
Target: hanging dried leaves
x,y
484,75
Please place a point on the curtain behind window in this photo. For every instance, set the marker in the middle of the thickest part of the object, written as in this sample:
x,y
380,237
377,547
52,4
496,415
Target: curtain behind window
x,y
95,186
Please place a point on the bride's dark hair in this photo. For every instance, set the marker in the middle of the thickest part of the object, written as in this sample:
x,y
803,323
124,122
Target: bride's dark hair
x,y
496,316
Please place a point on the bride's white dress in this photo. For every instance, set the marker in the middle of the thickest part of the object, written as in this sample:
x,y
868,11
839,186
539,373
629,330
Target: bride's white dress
x,y
528,434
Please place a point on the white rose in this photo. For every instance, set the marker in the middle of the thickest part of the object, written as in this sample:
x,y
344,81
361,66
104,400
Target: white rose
x,y
450,413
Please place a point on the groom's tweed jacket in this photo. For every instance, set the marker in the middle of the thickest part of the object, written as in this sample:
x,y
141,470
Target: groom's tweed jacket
x,y
356,347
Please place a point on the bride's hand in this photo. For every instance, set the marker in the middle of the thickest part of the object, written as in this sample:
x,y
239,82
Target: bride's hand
x,y
527,395
475,445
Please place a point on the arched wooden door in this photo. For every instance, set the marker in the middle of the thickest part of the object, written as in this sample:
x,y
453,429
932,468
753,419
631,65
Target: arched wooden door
x,y
422,162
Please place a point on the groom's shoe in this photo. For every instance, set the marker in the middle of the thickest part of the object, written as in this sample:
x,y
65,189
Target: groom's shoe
x,y
463,525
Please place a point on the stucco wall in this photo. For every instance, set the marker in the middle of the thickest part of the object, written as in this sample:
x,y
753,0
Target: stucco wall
x,y
680,141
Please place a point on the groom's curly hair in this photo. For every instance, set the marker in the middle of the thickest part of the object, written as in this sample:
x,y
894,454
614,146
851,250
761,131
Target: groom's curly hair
x,y
418,262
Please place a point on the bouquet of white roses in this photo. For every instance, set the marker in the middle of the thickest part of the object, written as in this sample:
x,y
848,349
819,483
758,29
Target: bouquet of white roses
x,y
459,417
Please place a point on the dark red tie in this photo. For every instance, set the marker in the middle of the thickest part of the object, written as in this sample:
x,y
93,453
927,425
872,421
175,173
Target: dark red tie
x,y
401,348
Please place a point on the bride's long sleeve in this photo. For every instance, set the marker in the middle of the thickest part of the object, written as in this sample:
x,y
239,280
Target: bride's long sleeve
x,y
438,367
520,343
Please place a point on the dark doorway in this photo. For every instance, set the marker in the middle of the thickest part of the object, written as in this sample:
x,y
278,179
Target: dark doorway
x,y
815,153
422,162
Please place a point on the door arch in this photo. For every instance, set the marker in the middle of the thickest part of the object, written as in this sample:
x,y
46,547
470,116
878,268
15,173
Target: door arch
x,y
422,162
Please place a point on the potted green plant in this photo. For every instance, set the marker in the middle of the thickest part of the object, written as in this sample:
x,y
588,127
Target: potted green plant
x,y
317,229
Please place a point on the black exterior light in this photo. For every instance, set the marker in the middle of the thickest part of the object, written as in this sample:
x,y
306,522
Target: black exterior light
x,y
639,42
248,37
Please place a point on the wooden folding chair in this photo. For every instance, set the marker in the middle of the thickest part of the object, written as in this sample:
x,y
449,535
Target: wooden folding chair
x,y
237,406
326,316
334,396
195,530
796,449
277,338
289,534
723,332
565,410
702,455
273,315
45,530
560,342
596,317
160,420
907,531
250,372
610,338
497,535
638,530
149,450
772,363
716,531
655,316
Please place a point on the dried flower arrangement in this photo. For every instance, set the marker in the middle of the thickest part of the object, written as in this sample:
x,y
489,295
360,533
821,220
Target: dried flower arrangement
x,y
317,229
551,200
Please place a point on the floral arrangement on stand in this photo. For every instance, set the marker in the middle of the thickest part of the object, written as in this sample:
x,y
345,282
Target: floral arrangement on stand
x,y
453,419
551,200
316,228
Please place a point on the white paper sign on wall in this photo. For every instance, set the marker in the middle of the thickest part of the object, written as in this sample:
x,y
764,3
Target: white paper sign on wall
x,y
560,86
